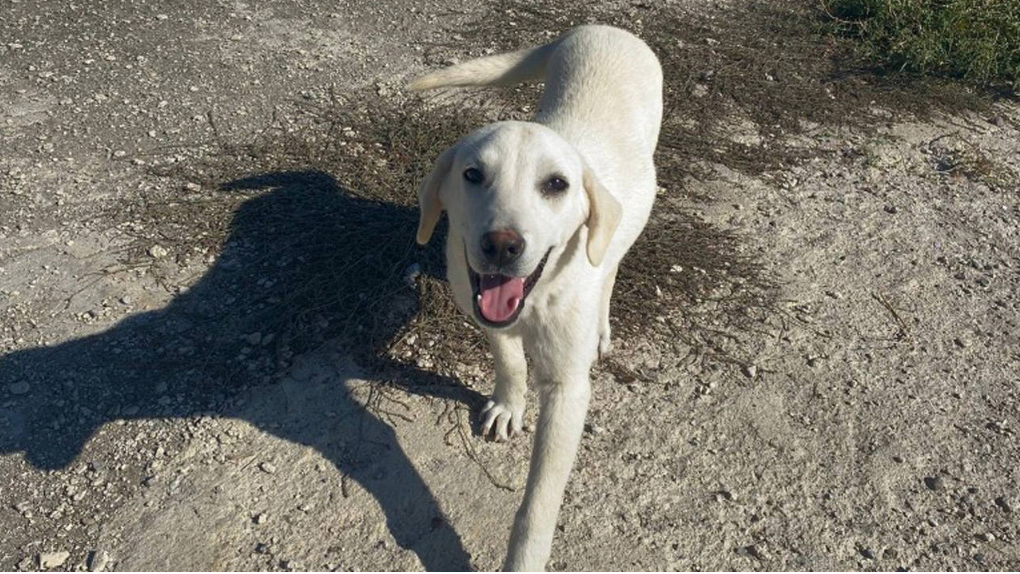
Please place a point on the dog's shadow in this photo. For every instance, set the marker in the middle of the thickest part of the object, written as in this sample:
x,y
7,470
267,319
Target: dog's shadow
x,y
188,358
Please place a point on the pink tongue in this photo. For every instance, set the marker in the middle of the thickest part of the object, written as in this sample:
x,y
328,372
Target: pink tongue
x,y
500,296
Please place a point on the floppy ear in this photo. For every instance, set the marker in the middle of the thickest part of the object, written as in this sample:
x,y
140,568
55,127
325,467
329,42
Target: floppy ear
x,y
428,196
604,214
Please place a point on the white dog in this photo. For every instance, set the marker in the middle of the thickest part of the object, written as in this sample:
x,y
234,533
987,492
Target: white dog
x,y
541,213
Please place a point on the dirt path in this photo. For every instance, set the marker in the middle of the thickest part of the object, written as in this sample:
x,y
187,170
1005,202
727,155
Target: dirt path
x,y
203,250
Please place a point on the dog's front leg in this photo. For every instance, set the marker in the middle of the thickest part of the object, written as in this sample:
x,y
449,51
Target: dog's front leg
x,y
503,415
560,424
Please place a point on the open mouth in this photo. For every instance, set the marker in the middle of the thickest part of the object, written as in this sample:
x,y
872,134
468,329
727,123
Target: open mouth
x,y
498,299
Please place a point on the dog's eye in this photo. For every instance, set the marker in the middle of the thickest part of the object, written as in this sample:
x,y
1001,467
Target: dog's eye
x,y
554,185
473,175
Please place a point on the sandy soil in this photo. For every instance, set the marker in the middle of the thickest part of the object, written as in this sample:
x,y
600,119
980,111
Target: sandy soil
x,y
154,416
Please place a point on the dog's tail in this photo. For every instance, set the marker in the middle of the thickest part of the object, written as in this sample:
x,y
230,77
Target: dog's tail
x,y
497,70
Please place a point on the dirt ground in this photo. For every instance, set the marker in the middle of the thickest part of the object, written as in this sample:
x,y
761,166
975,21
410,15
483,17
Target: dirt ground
x,y
220,349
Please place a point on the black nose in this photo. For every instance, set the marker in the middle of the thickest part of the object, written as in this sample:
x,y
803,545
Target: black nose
x,y
502,247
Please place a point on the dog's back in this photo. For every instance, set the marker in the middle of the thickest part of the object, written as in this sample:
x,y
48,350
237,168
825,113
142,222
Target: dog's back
x,y
594,75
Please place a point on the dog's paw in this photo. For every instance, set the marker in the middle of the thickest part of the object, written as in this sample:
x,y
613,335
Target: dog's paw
x,y
502,420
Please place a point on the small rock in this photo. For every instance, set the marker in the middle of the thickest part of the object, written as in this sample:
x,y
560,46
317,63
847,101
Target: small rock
x,y
22,506
750,550
961,342
261,518
192,186
750,371
891,209
261,548
699,90
53,559
890,554
411,274
1004,504
986,537
254,338
268,467
933,482
18,388
158,251
126,300
867,553
98,559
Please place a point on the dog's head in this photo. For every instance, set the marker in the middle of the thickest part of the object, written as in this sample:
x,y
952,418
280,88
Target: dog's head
x,y
515,192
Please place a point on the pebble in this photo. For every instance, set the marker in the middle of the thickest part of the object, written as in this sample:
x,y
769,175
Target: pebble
x,y
961,342
750,371
1004,504
411,274
18,388
192,186
98,559
158,251
867,553
53,559
261,518
751,551
933,482
268,467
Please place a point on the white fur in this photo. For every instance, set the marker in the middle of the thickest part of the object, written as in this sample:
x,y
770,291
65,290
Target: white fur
x,y
597,127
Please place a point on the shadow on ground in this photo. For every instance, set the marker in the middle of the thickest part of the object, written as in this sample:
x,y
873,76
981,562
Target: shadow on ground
x,y
188,358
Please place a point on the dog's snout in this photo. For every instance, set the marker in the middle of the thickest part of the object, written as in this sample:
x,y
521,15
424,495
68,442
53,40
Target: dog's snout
x,y
502,247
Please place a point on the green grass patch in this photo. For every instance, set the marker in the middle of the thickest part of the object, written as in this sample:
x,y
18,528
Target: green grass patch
x,y
978,40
